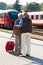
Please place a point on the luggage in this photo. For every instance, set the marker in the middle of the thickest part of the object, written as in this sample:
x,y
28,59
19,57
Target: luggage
x,y
10,45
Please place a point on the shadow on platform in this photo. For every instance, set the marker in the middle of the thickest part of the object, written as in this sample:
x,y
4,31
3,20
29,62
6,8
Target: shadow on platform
x,y
13,53
34,60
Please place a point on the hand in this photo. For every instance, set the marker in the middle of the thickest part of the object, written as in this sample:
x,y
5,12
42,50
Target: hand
x,y
17,26
12,36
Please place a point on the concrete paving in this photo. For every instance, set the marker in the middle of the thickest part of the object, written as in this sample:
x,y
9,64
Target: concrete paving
x,y
36,53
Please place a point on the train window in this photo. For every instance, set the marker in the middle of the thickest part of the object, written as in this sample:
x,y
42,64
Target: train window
x,y
32,16
1,15
36,16
13,15
5,16
41,16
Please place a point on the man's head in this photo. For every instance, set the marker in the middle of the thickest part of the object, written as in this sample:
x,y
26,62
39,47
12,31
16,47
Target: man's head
x,y
25,14
20,15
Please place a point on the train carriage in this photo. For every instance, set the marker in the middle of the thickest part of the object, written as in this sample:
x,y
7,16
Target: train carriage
x,y
8,17
37,18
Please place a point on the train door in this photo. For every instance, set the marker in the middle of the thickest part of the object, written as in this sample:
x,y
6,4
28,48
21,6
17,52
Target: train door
x,y
13,16
1,19
7,21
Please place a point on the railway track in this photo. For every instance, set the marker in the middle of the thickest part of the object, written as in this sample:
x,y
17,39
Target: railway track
x,y
37,31
34,31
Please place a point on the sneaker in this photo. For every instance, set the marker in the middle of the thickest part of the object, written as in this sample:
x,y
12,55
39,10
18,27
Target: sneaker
x,y
27,55
22,56
16,53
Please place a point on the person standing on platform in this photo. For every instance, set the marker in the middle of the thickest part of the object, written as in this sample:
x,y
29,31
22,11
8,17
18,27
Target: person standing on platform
x,y
25,30
16,32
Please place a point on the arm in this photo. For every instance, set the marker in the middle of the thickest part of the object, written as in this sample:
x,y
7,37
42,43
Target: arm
x,y
13,32
15,29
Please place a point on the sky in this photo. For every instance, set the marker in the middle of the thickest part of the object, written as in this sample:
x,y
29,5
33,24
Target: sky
x,y
23,2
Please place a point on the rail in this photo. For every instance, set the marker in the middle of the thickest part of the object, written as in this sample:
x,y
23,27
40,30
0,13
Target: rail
x,y
36,34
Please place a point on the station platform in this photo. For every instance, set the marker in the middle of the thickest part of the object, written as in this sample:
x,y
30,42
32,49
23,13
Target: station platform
x,y
36,53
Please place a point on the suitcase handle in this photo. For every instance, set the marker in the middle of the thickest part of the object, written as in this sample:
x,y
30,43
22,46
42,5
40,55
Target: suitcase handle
x,y
12,38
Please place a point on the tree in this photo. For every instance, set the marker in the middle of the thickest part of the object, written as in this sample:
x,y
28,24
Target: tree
x,y
9,6
3,6
27,7
17,6
23,7
41,7
33,6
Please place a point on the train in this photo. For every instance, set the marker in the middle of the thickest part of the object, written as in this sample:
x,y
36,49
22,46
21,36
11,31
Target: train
x,y
37,18
8,17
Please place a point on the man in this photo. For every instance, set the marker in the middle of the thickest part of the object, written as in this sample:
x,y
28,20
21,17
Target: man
x,y
25,30
16,31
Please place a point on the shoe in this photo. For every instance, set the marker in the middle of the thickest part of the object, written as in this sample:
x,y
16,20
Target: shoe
x,y
20,53
22,56
27,55
16,53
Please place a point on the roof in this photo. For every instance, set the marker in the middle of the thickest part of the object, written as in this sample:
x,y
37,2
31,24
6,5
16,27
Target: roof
x,y
35,13
8,10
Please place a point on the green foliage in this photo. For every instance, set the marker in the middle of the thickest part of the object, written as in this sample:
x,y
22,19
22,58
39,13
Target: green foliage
x,y
3,5
41,7
9,6
33,6
17,6
23,7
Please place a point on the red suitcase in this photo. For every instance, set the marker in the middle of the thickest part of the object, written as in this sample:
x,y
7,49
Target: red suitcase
x,y
10,45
